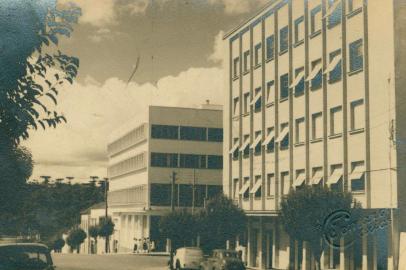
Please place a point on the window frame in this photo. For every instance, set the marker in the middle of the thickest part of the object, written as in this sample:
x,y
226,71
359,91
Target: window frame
x,y
356,60
300,85
283,40
333,112
257,55
336,74
334,18
270,47
299,121
315,128
246,66
317,82
284,87
236,67
313,17
353,105
299,26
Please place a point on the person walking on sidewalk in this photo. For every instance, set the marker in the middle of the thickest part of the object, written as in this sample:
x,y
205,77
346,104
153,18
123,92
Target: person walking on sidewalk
x,y
135,245
144,245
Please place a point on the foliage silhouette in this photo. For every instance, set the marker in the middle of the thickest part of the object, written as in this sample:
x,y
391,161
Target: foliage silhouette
x,y
76,238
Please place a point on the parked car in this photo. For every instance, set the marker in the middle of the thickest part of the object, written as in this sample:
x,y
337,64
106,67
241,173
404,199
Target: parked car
x,y
27,256
187,258
223,259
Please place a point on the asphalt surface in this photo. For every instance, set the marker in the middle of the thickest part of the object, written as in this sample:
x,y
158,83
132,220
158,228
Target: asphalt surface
x,y
109,262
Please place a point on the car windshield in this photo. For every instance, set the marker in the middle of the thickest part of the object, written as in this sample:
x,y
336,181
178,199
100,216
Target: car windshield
x,y
24,258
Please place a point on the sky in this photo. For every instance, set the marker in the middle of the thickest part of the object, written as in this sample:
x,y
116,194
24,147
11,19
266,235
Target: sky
x,y
180,50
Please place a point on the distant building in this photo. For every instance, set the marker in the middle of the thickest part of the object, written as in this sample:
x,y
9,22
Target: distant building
x,y
89,218
315,96
186,141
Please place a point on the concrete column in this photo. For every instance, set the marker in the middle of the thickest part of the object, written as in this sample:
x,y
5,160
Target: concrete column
x,y
261,245
275,245
391,265
249,239
306,256
228,244
344,262
168,245
374,253
296,259
365,251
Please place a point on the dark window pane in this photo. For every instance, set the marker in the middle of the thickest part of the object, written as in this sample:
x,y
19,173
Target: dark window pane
x,y
185,195
189,161
335,74
356,56
160,194
193,133
203,162
215,162
270,47
284,92
213,191
335,16
284,39
358,184
215,134
200,194
299,88
159,160
270,147
164,132
173,160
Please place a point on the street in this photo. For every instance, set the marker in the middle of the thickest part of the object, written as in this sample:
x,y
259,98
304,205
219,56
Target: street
x,y
109,262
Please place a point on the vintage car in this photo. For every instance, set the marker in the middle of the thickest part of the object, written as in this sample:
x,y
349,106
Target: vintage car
x,y
187,258
25,256
223,259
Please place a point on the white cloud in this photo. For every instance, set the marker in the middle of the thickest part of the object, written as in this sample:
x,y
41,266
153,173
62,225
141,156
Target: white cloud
x,y
97,13
235,7
218,49
95,110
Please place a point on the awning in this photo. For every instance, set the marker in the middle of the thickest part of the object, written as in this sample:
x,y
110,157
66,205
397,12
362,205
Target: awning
x,y
235,147
314,72
245,144
333,63
317,177
269,138
298,78
256,142
335,176
357,172
256,98
332,8
283,134
244,188
299,179
257,186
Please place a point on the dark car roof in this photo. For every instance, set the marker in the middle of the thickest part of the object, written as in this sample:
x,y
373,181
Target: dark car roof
x,y
29,245
224,250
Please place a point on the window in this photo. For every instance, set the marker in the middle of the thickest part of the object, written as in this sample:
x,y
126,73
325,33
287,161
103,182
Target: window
x,y
203,161
299,82
284,39
160,194
257,100
189,161
357,176
257,55
285,183
270,140
164,132
236,105
200,195
256,189
300,178
246,103
316,76
246,61
335,66
257,143
213,191
284,91
235,151
193,133
299,30
317,176
164,160
334,12
185,195
356,56
269,93
245,188
354,5
214,162
245,147
317,126
270,47
236,187
315,20
335,181
300,130
336,120
283,137
357,115
215,135
236,66
270,185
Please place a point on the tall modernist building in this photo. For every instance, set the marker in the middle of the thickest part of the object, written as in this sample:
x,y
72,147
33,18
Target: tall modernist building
x,y
315,96
184,141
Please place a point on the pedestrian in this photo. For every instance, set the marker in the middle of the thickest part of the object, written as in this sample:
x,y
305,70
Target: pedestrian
x,y
148,245
152,246
135,245
144,245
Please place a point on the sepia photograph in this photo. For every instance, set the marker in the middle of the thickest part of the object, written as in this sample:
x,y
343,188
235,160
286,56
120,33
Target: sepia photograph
x,y
202,134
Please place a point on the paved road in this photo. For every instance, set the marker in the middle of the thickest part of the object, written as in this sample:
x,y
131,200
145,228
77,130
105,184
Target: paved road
x,y
109,262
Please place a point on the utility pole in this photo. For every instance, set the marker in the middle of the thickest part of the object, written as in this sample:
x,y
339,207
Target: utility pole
x,y
106,189
173,191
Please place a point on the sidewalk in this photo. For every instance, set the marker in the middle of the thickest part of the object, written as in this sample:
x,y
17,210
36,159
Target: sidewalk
x,y
150,254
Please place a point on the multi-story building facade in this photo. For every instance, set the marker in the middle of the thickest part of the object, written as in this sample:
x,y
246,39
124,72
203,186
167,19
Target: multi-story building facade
x,y
314,97
184,141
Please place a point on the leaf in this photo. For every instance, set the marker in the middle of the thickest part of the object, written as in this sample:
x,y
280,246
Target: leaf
x,y
42,124
56,76
53,38
48,83
52,97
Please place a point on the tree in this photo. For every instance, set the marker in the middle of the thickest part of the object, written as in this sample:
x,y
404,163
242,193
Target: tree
x,y
58,244
221,220
31,69
76,238
306,214
106,229
94,233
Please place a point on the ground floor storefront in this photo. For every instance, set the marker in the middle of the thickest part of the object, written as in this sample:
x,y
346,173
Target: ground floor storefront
x,y
266,245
